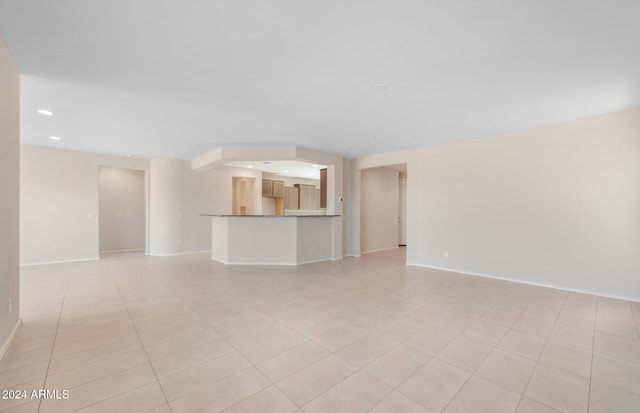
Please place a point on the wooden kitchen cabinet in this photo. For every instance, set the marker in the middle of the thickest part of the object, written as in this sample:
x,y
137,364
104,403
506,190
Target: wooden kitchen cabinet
x,y
278,189
323,188
306,196
272,189
267,187
291,197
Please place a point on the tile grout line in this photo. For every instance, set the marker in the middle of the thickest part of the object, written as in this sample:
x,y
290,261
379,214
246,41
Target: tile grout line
x,y
113,397
391,349
492,349
223,338
103,377
635,319
289,329
102,360
330,353
522,396
169,355
593,353
254,393
359,369
159,280
436,355
430,356
241,292
110,269
66,290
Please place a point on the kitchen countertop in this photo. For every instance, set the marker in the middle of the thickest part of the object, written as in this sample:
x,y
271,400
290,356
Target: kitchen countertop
x,y
268,216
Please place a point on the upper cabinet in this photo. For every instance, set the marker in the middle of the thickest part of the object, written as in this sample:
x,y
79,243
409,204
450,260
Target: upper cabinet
x,y
323,188
272,189
291,197
267,187
306,196
278,189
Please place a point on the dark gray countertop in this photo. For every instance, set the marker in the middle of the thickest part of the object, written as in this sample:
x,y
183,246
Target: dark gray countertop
x,y
267,216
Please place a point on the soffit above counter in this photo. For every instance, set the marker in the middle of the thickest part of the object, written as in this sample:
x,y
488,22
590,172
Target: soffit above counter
x,y
221,156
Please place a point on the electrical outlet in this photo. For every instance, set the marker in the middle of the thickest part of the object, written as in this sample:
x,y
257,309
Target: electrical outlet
x,y
54,248
9,305
446,254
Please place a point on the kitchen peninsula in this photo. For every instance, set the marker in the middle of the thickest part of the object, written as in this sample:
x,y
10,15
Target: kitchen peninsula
x,y
274,240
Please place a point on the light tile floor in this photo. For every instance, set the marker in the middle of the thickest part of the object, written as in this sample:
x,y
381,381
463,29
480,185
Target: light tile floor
x,y
185,334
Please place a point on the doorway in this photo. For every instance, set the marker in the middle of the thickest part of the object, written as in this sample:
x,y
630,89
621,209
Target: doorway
x,y
242,194
122,210
402,210
383,208
379,209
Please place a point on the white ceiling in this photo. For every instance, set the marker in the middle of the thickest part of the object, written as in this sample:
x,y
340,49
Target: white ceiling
x,y
161,78
297,169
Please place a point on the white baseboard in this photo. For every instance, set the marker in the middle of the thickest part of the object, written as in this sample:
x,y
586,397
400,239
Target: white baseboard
x,y
515,280
59,262
321,260
122,251
178,253
251,263
7,343
275,263
380,250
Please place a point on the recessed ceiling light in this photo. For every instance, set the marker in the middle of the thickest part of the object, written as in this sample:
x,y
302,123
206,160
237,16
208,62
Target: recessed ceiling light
x,y
380,86
45,112
250,166
285,171
55,138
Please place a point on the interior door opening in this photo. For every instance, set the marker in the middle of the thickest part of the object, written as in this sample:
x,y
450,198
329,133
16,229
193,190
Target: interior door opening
x,y
242,194
122,210
402,210
382,208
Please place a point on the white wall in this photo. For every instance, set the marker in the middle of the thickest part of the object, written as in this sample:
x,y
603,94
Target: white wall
x,y
268,206
314,238
178,195
379,209
273,240
59,202
122,209
557,205
243,192
348,202
402,210
335,200
223,184
9,201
